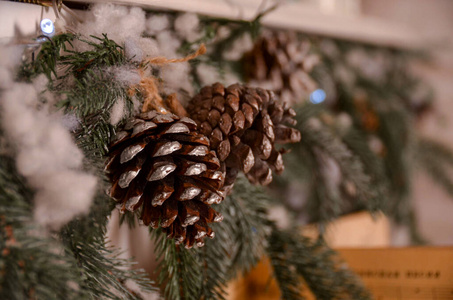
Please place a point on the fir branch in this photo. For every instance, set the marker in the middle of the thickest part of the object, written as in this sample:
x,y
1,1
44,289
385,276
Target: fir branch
x,y
288,280
179,270
356,141
31,265
323,271
437,160
105,52
47,59
104,273
319,143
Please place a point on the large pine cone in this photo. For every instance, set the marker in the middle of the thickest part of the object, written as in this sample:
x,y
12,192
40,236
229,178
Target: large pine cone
x,y
162,167
280,62
243,124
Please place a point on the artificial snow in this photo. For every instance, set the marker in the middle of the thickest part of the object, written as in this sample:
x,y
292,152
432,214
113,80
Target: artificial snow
x,y
118,22
187,26
45,154
156,24
117,111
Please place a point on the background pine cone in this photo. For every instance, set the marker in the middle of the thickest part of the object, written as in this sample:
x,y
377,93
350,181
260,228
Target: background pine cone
x,y
162,167
280,62
243,124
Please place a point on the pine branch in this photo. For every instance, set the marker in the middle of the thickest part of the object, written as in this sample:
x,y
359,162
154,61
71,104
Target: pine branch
x,y
288,280
323,271
437,160
33,265
179,270
104,273
318,144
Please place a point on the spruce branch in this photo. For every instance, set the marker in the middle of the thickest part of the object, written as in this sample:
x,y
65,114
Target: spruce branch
x,y
437,160
179,270
321,268
33,265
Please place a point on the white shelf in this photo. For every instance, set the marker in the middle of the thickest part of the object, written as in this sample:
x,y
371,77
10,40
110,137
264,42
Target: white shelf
x,y
294,15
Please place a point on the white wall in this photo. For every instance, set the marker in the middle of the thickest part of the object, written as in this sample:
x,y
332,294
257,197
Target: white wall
x,y
434,20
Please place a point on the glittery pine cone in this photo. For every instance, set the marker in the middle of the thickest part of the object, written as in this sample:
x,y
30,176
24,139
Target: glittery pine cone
x,y
163,168
243,124
280,62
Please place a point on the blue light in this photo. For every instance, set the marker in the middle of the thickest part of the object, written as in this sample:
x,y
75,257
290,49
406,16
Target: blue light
x,y
317,96
47,27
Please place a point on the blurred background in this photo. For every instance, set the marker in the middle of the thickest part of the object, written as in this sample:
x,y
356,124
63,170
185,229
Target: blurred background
x,y
421,25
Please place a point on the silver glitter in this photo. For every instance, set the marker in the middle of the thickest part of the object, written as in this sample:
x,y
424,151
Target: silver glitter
x,y
213,198
204,139
199,151
126,178
200,244
159,199
217,175
211,235
163,119
216,160
268,178
120,207
132,202
139,128
267,147
189,193
161,172
248,162
167,222
131,123
200,234
179,239
148,115
188,121
190,220
108,163
168,148
130,152
269,127
119,136
195,169
178,128
218,218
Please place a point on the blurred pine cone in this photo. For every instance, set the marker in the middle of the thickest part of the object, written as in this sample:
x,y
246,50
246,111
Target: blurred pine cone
x,y
161,166
280,62
243,124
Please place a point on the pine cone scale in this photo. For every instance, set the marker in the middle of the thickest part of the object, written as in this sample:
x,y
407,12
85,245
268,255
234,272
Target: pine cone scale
x,y
161,166
251,121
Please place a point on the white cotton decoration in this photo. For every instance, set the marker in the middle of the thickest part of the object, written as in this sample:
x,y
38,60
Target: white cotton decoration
x,y
149,47
62,196
133,50
118,22
208,74
6,79
156,24
168,44
136,104
187,26
176,77
117,111
239,47
45,153
70,122
40,83
126,76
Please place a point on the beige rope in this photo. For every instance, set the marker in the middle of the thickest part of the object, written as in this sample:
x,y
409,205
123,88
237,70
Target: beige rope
x,y
160,61
149,85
